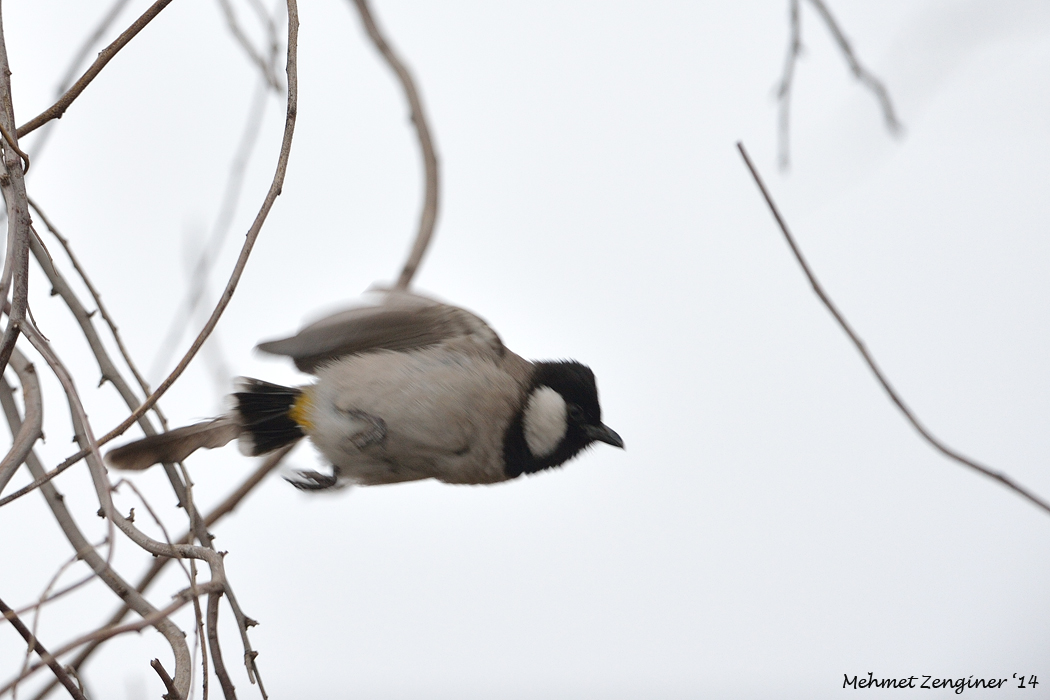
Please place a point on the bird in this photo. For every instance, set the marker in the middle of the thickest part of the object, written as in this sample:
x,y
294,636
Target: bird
x,y
405,388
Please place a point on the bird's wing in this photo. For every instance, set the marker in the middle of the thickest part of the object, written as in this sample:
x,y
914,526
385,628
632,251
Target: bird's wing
x,y
400,321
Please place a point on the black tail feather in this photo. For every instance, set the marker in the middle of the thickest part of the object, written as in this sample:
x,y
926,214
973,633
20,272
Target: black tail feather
x,y
263,413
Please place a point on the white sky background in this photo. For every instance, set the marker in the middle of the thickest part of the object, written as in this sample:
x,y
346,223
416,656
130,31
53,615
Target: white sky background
x,y
774,523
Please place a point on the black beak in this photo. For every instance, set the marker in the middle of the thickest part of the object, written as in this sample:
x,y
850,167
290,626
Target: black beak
x,y
603,433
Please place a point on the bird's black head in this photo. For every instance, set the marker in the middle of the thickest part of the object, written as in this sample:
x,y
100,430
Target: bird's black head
x,y
560,417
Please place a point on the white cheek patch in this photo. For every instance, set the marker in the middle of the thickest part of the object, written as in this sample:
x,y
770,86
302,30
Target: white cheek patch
x,y
545,421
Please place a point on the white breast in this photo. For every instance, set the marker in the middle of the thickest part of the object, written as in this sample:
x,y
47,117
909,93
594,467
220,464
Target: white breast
x,y
545,421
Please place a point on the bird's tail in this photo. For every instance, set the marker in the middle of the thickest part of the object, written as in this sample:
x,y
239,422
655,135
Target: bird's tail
x,y
261,418
266,415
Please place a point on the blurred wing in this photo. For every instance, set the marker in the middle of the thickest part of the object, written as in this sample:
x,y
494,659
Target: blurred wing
x,y
401,321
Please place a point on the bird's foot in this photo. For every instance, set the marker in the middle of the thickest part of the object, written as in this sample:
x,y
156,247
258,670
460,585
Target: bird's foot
x,y
313,481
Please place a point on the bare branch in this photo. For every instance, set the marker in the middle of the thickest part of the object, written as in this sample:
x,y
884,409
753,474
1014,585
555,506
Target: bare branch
x,y
31,429
220,229
216,651
860,72
109,370
786,81
265,67
131,597
50,660
169,685
13,143
97,298
428,217
42,479
231,285
224,508
74,65
13,188
150,620
862,349
56,110
250,238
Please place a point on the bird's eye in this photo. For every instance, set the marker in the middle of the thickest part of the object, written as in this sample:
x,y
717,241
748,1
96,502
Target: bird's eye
x,y
575,413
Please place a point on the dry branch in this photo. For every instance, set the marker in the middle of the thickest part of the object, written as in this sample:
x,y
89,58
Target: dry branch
x,y
862,349
220,229
231,285
104,633
31,429
169,685
56,502
859,72
56,110
266,68
44,654
249,243
70,75
224,508
12,185
108,369
97,298
428,217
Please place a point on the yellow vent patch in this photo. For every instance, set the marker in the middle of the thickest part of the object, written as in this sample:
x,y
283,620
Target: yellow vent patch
x,y
300,411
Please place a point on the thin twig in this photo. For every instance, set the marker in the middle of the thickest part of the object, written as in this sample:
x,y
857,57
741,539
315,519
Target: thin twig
x,y
42,479
235,276
266,68
198,632
31,428
47,596
44,134
152,619
97,298
249,243
50,660
786,82
56,502
169,685
13,144
862,349
56,110
428,217
13,188
861,73
224,508
216,651
220,229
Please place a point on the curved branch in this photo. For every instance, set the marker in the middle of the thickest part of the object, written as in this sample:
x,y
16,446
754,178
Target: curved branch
x,y
56,110
31,429
131,597
13,186
44,654
100,635
859,71
159,563
428,217
249,242
70,75
266,69
231,285
97,298
862,349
